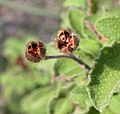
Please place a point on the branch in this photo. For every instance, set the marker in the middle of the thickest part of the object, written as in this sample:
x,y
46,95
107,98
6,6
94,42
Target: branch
x,y
78,60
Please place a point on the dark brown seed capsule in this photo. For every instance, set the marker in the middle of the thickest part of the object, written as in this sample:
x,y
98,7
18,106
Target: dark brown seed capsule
x,y
35,51
67,41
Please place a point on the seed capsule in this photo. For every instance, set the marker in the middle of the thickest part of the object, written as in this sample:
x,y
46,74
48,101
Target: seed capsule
x,y
67,41
35,51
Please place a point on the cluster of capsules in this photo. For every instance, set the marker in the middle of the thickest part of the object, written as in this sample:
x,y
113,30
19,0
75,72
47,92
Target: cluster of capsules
x,y
66,42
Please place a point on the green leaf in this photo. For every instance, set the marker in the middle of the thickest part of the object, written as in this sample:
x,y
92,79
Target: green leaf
x,y
87,58
68,67
62,103
108,111
109,27
81,80
63,106
114,105
80,95
104,76
76,19
117,88
92,110
51,48
37,102
94,6
77,3
16,47
18,82
90,46
65,20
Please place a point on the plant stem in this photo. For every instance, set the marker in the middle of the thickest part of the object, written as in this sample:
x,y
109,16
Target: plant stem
x,y
89,2
70,57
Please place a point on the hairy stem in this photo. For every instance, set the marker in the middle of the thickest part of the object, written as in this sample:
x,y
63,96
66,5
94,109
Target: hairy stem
x,y
70,57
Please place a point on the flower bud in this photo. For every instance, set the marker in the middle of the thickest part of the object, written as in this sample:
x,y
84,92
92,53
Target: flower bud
x,y
67,41
35,51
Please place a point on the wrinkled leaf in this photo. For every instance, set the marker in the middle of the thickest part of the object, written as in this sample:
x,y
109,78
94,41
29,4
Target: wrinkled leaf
x,y
109,27
104,76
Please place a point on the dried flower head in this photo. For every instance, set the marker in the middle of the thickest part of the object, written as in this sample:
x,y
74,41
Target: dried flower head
x,y
35,51
67,41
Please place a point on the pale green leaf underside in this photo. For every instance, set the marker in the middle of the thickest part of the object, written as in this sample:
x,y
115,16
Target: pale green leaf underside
x,y
117,88
61,102
104,76
79,94
114,106
76,20
90,46
68,67
37,102
109,27
63,106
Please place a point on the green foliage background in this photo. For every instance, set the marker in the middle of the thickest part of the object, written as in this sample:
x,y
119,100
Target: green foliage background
x,y
62,86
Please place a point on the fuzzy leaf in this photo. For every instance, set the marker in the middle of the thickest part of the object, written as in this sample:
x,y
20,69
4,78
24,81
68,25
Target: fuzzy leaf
x,y
90,46
104,76
61,103
37,102
87,58
117,88
63,106
114,105
109,27
76,19
68,67
80,95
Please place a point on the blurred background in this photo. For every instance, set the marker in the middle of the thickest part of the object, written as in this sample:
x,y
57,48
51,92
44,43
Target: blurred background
x,y
26,87
20,22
